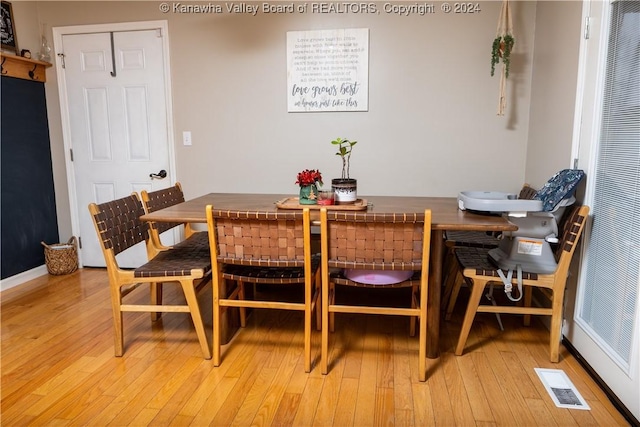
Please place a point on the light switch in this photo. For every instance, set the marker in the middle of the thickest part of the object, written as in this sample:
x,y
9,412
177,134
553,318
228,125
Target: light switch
x,y
186,137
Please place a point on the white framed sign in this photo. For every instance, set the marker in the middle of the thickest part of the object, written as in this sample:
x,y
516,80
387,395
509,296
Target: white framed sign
x,y
328,70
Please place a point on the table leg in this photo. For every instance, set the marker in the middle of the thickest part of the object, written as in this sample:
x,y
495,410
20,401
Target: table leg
x,y
435,283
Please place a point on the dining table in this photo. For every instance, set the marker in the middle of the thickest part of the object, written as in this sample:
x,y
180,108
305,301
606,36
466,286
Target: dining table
x,y
445,216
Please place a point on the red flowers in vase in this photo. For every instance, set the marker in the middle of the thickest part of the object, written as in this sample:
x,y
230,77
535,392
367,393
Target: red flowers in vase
x,y
309,177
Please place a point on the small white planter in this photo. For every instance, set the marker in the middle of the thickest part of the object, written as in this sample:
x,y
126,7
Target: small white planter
x,y
345,190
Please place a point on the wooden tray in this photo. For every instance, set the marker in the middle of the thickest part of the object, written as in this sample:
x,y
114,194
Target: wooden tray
x,y
293,203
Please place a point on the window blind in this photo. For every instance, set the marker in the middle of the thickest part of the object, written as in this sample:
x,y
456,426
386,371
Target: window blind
x,y
610,286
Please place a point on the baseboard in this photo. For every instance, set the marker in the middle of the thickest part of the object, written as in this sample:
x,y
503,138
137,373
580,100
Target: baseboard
x,y
25,276
610,394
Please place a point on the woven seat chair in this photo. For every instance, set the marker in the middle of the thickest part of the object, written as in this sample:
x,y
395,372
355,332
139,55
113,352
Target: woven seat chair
x,y
160,199
479,272
476,239
369,241
119,228
272,248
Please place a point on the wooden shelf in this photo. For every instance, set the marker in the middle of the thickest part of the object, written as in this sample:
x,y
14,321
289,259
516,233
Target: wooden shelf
x,y
24,68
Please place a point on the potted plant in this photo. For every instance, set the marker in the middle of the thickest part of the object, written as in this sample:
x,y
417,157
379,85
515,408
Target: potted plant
x,y
501,49
345,188
308,181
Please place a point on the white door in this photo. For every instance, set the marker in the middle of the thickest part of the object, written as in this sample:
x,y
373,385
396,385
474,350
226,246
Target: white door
x,y
116,105
604,325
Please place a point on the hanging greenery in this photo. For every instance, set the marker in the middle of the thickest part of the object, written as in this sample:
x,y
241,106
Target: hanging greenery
x,y
501,48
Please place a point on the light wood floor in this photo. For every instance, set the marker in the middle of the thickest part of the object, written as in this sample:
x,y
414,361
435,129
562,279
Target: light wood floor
x,y
58,368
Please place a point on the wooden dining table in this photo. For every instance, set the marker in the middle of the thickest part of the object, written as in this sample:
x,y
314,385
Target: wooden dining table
x,y
445,216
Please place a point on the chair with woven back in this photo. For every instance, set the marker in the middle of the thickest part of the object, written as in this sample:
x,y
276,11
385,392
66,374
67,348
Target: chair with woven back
x,y
164,198
119,227
262,248
381,243
479,273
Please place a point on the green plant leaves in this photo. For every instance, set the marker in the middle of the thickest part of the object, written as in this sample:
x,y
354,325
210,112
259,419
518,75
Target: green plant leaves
x,y
501,48
344,150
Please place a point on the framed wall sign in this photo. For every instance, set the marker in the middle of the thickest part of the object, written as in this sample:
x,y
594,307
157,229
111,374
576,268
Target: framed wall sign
x,y
8,28
328,70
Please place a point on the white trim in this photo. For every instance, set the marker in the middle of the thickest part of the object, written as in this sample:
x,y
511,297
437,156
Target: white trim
x,y
58,33
580,89
597,40
20,278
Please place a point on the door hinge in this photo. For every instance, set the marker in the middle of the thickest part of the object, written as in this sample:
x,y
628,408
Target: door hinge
x,y
587,27
71,153
79,242
61,56
575,163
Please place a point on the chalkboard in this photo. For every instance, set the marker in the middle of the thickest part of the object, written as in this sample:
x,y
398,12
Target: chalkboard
x,y
27,205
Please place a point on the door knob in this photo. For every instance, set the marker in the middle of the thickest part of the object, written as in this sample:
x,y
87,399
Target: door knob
x,y
160,175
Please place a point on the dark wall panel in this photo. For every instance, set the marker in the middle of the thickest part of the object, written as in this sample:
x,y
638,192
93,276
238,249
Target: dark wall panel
x,y
28,205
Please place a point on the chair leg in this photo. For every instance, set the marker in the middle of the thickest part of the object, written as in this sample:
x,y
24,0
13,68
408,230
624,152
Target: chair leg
x,y
308,303
216,322
156,299
556,325
332,300
194,308
422,349
318,298
243,310
474,300
456,281
415,292
118,333
450,270
528,293
324,350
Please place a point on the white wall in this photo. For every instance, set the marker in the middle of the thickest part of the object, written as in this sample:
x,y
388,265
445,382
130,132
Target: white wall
x,y
431,128
553,94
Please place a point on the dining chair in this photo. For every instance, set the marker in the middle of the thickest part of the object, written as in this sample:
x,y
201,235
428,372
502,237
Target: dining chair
x,y
375,242
160,199
479,273
453,279
119,227
262,248
164,198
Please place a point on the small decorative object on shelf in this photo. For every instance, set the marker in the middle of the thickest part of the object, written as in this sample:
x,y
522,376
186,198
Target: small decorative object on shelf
x,y
45,48
308,181
325,197
346,187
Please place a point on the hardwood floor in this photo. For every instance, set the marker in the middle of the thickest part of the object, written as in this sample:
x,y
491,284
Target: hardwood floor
x,y
58,368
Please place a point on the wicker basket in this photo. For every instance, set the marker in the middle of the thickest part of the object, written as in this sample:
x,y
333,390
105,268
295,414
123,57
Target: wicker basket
x,y
61,258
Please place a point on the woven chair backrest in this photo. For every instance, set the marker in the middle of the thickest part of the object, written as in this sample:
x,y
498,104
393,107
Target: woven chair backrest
x,y
267,239
119,223
373,241
571,228
161,199
527,192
